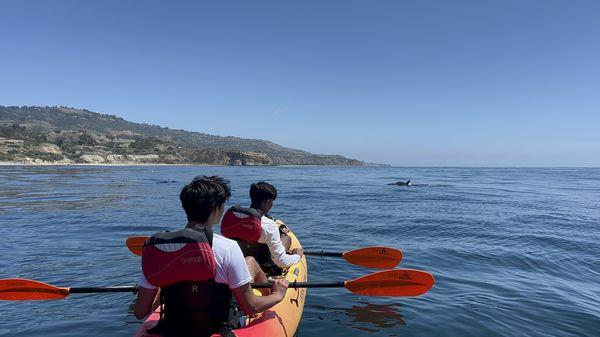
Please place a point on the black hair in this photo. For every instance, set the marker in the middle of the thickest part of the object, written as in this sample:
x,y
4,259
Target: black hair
x,y
201,196
262,191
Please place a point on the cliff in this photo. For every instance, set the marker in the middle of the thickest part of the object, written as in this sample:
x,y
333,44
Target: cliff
x,y
63,135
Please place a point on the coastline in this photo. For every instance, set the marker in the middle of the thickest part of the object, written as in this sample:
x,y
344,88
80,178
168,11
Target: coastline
x,y
124,164
36,135
9,163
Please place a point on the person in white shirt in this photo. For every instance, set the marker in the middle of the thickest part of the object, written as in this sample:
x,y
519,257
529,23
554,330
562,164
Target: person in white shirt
x,y
262,195
203,201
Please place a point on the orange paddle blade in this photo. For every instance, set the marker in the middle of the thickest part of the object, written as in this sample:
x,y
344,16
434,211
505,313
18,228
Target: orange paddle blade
x,y
374,257
20,289
395,282
135,244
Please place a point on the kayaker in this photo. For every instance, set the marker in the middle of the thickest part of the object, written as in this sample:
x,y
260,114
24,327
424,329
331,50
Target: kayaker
x,y
258,234
197,284
262,195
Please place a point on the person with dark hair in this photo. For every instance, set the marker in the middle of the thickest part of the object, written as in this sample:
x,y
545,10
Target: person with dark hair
x,y
198,272
272,236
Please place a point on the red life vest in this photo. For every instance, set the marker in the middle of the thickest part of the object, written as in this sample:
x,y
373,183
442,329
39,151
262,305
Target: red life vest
x,y
183,255
182,264
241,223
244,226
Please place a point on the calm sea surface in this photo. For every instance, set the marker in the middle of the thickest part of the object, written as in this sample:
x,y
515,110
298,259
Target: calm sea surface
x,y
515,252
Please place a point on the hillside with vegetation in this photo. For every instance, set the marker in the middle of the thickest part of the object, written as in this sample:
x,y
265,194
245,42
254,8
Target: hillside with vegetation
x,y
63,135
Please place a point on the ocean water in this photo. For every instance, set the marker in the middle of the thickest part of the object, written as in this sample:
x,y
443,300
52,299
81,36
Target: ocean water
x,y
515,252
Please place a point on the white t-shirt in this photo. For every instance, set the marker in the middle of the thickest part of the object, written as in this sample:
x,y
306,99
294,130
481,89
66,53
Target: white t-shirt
x,y
231,265
269,235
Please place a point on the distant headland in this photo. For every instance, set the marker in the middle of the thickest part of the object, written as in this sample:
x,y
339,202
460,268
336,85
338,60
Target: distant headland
x,y
61,135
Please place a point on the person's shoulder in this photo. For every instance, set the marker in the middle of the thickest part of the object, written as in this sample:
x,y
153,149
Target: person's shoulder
x,y
225,246
267,220
223,242
268,225
231,267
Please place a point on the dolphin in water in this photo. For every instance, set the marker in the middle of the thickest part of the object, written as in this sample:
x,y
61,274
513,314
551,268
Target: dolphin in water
x,y
401,183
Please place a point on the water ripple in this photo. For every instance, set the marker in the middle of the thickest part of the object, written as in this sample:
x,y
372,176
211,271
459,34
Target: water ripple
x,y
514,251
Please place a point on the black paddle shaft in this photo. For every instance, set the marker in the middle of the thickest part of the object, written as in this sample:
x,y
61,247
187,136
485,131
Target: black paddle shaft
x,y
341,284
322,253
130,289
88,290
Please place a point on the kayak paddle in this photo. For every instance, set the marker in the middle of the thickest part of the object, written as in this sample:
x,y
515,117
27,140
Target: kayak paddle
x,y
394,282
370,257
135,244
20,289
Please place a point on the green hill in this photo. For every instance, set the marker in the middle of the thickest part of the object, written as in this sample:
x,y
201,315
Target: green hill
x,y
31,134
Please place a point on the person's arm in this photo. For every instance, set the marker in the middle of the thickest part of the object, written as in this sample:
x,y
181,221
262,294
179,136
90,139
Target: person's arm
x,y
270,236
252,304
145,304
239,281
147,298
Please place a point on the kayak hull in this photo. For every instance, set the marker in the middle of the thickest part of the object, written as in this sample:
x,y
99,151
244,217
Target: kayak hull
x,y
281,320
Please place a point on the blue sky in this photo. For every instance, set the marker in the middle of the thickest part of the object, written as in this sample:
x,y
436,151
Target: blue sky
x,y
425,83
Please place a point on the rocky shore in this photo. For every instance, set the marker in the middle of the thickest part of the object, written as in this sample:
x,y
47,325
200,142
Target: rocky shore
x,y
67,136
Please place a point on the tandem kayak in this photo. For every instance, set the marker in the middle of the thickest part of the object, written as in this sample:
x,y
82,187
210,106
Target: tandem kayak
x,y
281,320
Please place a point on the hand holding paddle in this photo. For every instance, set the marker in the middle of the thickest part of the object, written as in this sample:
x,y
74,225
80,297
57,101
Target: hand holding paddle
x,y
395,282
370,257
